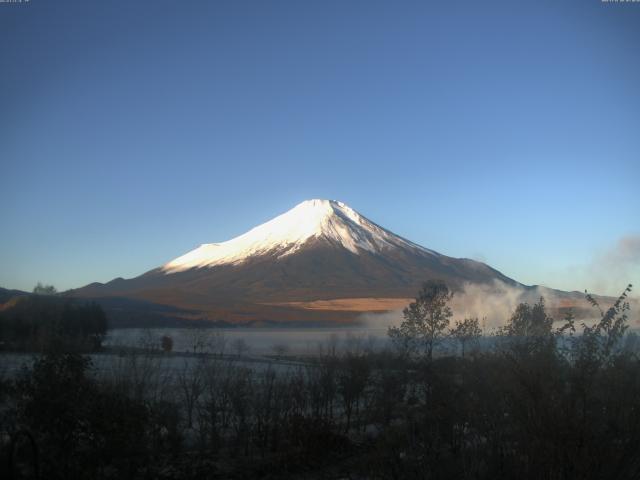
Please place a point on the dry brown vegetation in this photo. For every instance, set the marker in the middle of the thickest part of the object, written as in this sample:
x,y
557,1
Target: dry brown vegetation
x,y
351,304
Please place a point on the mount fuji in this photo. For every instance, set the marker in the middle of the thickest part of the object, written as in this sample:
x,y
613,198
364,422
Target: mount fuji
x,y
319,262
325,220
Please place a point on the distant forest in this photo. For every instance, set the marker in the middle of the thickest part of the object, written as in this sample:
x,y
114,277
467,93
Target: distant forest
x,y
42,321
540,403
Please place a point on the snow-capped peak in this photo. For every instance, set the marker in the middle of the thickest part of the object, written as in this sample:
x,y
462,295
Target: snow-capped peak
x,y
287,233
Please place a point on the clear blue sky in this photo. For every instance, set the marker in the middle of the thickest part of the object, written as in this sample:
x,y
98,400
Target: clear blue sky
x,y
131,131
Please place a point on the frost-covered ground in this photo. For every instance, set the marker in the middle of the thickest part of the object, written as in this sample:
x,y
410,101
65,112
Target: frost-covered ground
x,y
253,348
154,368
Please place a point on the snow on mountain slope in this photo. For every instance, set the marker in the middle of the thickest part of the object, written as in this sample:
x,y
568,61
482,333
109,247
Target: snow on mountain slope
x,y
287,233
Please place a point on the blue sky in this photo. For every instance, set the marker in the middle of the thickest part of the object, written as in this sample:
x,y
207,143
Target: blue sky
x,y
503,131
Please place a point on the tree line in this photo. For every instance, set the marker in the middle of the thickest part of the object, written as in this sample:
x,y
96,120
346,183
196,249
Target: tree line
x,y
39,321
543,402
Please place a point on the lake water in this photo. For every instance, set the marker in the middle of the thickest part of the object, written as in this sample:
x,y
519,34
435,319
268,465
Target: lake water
x,y
254,341
258,351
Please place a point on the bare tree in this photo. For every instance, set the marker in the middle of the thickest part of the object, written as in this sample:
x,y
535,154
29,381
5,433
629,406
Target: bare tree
x,y
353,377
240,346
148,341
466,331
198,340
218,343
425,320
280,349
333,341
190,380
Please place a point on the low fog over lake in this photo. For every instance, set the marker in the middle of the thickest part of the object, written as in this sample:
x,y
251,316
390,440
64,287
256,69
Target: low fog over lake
x,y
258,341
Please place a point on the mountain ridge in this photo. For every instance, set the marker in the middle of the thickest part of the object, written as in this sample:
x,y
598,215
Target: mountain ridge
x,y
319,251
288,232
